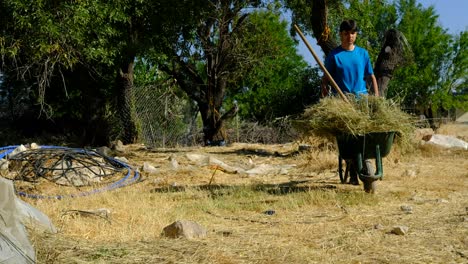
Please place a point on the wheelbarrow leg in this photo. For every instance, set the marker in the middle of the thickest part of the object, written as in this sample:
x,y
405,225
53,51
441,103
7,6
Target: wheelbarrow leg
x,y
367,175
353,172
349,171
344,177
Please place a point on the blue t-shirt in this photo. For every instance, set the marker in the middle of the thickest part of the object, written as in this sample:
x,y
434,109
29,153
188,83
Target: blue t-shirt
x,y
349,68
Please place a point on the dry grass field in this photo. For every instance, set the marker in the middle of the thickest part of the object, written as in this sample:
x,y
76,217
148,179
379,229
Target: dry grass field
x,y
315,219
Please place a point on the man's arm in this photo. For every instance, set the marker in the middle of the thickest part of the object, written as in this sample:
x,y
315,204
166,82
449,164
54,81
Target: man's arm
x,y
374,85
324,86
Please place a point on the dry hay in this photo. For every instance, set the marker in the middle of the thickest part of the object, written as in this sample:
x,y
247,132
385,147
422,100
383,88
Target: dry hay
x,y
332,116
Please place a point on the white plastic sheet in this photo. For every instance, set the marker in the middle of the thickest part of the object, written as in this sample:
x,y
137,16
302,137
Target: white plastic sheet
x,y
15,247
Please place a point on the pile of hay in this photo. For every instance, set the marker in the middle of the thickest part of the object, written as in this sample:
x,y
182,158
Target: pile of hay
x,y
333,116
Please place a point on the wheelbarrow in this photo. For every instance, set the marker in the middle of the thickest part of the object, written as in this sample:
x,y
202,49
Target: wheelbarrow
x,y
360,149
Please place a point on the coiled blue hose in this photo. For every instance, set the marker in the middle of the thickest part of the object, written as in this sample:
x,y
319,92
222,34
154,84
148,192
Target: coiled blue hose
x,y
126,180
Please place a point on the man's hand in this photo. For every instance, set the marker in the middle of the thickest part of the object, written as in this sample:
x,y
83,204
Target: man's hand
x,y
324,86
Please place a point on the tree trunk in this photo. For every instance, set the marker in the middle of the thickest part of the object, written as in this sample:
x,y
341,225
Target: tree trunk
x,y
126,101
95,125
210,118
214,133
394,52
320,26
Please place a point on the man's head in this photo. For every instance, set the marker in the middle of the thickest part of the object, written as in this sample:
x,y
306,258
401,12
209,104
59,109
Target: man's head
x,y
348,25
348,33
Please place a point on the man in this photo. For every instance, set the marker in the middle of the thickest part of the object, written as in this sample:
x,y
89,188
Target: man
x,y
349,65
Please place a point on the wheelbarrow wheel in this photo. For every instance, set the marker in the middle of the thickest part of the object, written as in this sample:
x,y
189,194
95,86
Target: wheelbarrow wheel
x,y
370,185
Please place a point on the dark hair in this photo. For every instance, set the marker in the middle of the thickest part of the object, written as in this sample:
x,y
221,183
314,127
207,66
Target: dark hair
x,y
348,25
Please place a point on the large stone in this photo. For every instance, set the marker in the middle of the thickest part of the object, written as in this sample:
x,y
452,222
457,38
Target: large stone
x,y
184,229
407,209
104,151
118,146
174,162
149,168
19,149
400,230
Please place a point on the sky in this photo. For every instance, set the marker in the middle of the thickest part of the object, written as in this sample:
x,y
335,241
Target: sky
x,y
452,16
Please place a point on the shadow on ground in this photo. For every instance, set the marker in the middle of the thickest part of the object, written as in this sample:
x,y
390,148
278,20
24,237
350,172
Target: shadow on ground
x,y
274,189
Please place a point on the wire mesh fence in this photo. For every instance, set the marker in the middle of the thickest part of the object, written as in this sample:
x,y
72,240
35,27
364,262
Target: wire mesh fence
x,y
165,118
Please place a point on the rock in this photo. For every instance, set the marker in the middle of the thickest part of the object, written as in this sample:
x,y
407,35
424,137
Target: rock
x,y
269,212
118,146
407,209
440,200
204,160
426,138
448,141
417,199
184,229
201,160
378,226
122,159
424,133
409,173
400,230
149,168
19,149
34,146
174,163
104,151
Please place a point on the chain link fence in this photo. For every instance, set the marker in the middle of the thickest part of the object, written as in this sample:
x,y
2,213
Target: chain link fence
x,y
167,118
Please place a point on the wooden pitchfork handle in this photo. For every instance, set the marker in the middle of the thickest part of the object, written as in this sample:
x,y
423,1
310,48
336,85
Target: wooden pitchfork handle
x,y
317,59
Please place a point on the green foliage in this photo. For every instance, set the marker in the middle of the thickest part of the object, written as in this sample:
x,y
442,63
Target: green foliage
x,y
274,85
452,89
416,83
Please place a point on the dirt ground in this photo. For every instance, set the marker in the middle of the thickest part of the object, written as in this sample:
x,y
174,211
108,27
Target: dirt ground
x,y
271,204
